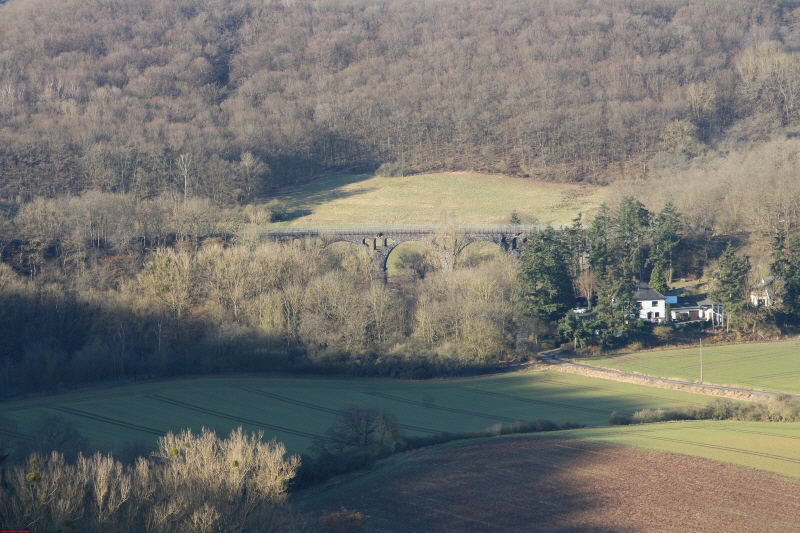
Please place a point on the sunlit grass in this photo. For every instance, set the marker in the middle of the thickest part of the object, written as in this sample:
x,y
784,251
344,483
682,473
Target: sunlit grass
x,y
294,410
463,197
770,446
769,366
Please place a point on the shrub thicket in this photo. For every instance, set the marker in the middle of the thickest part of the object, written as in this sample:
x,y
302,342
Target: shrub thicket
x,y
780,408
193,483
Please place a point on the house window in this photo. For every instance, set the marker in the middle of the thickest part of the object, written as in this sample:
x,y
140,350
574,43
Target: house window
x,y
654,304
655,315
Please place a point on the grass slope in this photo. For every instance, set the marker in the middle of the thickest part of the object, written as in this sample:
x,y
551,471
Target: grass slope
x,y
467,198
295,410
769,366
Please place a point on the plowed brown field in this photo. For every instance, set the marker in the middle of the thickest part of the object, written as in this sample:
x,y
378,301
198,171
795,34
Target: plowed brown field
x,y
528,484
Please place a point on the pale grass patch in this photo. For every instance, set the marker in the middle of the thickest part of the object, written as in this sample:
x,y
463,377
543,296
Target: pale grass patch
x,y
430,199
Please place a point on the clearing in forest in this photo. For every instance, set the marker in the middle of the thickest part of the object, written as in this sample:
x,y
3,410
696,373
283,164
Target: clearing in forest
x,y
430,199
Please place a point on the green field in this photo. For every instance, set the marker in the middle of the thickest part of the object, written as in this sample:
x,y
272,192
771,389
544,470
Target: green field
x,y
463,197
681,476
769,366
295,410
770,446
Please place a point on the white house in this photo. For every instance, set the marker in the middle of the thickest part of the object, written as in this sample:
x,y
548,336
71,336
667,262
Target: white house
x,y
767,293
652,304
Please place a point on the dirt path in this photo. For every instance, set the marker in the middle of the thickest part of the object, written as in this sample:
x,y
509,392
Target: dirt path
x,y
651,381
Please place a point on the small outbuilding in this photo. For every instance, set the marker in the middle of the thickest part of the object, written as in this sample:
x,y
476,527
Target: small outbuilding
x,y
767,292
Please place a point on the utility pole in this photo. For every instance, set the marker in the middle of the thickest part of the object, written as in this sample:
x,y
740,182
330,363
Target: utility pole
x,y
701,359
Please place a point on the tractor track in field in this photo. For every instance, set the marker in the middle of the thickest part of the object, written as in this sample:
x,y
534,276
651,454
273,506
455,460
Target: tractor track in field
x,y
107,420
12,434
441,408
328,410
233,418
36,405
778,374
601,389
613,450
538,402
761,433
719,447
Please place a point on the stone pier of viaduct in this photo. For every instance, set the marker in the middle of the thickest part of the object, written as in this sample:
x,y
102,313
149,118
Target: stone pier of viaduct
x,y
380,241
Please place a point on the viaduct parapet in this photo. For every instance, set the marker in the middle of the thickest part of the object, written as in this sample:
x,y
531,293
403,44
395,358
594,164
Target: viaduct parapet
x,y
381,240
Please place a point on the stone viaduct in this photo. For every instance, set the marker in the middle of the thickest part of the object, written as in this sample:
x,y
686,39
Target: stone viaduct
x,y
380,241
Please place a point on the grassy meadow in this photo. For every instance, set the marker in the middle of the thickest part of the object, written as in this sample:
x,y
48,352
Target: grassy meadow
x,y
295,410
463,197
768,366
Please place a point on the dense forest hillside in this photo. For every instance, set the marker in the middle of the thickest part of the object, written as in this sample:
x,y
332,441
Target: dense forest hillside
x,y
231,99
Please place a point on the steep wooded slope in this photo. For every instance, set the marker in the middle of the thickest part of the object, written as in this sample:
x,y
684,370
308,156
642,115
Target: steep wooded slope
x,y
229,99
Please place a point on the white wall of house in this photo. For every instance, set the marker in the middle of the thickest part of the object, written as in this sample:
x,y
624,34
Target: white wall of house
x,y
653,310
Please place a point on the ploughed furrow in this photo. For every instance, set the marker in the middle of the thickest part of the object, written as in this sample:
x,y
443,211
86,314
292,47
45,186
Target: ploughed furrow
x,y
234,418
107,420
763,455
299,403
538,402
441,408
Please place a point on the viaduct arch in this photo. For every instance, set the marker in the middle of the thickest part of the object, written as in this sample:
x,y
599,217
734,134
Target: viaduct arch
x,y
379,241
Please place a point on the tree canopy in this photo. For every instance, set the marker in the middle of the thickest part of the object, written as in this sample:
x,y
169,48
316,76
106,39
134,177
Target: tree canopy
x,y
231,99
545,285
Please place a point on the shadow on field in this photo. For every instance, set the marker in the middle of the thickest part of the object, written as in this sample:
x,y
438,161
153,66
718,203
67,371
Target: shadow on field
x,y
325,190
295,214
498,485
560,484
